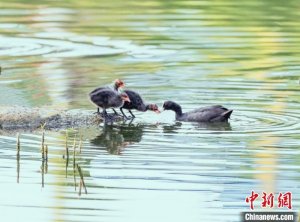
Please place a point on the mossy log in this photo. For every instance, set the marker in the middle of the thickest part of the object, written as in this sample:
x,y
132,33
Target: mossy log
x,y
17,117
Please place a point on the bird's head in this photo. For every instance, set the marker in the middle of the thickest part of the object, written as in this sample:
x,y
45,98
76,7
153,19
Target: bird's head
x,y
168,105
154,108
125,97
119,84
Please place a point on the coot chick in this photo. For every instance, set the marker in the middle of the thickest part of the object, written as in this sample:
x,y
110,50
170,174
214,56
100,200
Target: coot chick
x,y
214,113
136,102
116,86
108,98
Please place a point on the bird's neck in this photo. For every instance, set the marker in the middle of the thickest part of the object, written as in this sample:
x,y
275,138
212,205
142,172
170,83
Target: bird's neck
x,y
177,109
116,87
147,107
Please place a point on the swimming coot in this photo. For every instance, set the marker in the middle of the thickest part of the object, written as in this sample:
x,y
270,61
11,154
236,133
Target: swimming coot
x,y
108,98
214,113
136,102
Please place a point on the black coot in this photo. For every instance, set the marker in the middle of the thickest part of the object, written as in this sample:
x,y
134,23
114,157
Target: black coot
x,y
215,113
108,98
137,103
118,84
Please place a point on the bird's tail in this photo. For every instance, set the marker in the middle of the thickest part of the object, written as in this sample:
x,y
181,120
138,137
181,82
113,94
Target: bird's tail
x,y
227,114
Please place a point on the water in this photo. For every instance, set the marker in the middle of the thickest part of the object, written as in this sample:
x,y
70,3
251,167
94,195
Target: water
x,y
244,56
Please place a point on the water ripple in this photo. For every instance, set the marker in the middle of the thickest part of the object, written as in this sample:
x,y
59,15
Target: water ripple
x,y
51,48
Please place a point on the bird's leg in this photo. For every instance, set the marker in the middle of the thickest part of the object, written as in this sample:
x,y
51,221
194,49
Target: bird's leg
x,y
107,118
133,116
115,111
104,114
98,111
121,109
130,122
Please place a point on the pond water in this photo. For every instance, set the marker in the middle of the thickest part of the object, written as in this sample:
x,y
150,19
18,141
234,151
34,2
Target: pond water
x,y
243,55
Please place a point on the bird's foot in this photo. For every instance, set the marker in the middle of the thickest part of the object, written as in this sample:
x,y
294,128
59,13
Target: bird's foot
x,y
132,117
108,118
116,113
129,117
125,118
98,113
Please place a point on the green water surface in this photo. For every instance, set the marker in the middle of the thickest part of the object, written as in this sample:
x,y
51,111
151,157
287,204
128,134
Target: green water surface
x,y
244,55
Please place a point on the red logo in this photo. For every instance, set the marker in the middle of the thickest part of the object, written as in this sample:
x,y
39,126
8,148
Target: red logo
x,y
268,200
251,199
283,200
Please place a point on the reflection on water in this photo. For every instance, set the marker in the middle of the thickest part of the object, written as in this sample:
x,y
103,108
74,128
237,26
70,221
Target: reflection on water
x,y
218,127
243,56
214,126
115,138
173,128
